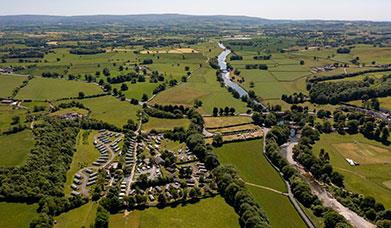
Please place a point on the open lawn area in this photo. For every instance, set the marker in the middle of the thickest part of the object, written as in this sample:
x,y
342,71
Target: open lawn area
x,y
8,83
83,216
52,89
85,154
373,176
164,124
14,148
253,167
211,212
226,121
111,110
17,214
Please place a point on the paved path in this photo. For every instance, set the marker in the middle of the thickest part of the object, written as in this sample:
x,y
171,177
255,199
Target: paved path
x,y
327,199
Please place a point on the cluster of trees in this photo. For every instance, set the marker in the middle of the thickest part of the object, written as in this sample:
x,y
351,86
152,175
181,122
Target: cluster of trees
x,y
232,188
268,120
295,98
159,88
334,92
214,63
147,61
72,104
51,75
125,78
320,167
227,111
349,75
44,172
234,57
86,51
262,57
343,50
256,66
168,112
25,54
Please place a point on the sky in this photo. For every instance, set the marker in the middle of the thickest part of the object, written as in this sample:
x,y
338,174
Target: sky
x,y
377,10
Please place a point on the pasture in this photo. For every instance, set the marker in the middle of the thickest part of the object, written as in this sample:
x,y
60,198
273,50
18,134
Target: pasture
x,y
226,121
274,205
15,148
8,83
42,89
6,115
17,214
164,124
202,86
83,216
372,176
253,167
85,154
215,212
111,110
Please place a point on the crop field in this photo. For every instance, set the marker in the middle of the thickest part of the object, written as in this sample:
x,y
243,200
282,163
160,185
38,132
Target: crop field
x,y
164,124
52,89
253,167
8,83
15,148
83,216
372,176
6,115
85,154
111,110
226,121
17,214
211,212
202,86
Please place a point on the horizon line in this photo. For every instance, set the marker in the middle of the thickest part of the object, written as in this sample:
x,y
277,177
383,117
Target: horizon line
x,y
200,15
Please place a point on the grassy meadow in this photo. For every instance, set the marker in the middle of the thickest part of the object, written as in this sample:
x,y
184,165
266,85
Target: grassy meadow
x,y
15,148
83,216
211,212
17,214
52,89
253,167
164,124
8,83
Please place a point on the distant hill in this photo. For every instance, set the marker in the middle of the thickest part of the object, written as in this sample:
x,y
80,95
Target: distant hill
x,y
144,19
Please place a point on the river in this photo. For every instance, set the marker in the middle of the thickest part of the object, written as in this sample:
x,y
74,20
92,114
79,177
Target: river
x,y
225,73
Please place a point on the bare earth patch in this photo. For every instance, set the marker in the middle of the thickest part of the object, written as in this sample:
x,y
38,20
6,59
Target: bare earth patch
x,y
387,184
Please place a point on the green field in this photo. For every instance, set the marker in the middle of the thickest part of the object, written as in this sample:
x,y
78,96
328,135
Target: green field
x,y
85,154
164,124
15,148
225,121
8,83
211,212
202,86
111,110
6,115
253,167
278,208
83,216
373,176
17,214
52,89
